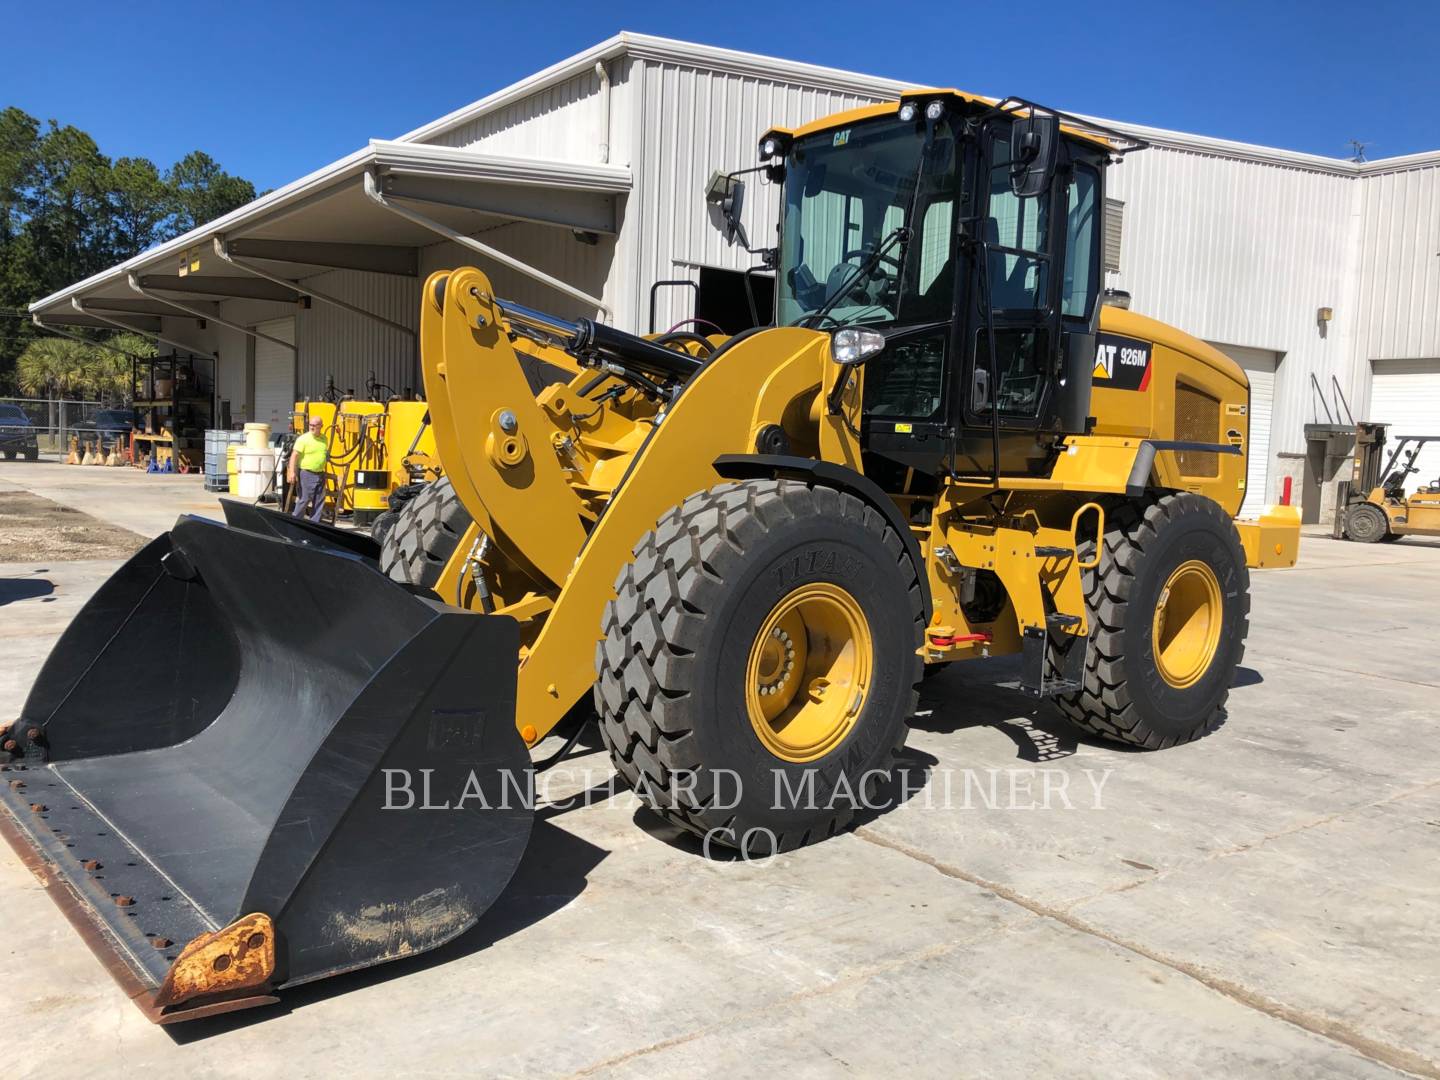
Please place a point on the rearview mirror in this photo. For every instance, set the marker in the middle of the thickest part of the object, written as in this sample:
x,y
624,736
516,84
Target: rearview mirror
x,y
1033,142
726,192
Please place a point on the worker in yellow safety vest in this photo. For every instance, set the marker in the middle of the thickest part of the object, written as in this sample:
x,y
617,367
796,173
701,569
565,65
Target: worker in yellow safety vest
x,y
307,467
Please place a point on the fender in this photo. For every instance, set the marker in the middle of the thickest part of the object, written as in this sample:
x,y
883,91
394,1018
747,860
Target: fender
x,y
773,466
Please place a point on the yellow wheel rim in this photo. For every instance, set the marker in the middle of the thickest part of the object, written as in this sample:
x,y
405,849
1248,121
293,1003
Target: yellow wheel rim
x,y
809,672
1186,631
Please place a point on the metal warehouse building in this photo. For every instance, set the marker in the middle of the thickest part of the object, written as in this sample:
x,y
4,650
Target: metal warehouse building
x,y
581,187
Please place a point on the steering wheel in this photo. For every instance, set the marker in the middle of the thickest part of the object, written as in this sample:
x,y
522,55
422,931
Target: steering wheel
x,y
861,284
862,254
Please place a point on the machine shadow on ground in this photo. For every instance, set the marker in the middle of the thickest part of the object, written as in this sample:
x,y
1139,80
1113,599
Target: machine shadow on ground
x,y
13,589
554,872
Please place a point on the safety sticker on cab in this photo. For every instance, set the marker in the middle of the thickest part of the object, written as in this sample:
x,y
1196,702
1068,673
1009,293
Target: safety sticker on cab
x,y
1121,363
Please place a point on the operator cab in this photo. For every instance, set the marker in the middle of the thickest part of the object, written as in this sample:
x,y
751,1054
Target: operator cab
x,y
958,244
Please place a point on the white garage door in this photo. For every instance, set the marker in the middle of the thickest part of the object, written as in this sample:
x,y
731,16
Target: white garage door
x,y
275,374
1259,365
1406,395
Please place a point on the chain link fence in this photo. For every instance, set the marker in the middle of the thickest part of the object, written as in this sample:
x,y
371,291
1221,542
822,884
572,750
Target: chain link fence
x,y
52,422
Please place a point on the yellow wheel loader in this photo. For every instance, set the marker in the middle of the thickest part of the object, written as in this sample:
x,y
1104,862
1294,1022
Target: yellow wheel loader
x,y
267,751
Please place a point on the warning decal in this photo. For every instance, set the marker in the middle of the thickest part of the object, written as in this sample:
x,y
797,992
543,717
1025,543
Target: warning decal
x,y
1122,363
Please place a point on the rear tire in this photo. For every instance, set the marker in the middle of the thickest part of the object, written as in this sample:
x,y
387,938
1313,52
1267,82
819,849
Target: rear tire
x,y
9,455
424,536
686,636
1365,523
32,455
1185,548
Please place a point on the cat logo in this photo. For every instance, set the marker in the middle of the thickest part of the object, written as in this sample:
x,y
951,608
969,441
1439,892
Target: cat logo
x,y
1104,361
841,138
1122,363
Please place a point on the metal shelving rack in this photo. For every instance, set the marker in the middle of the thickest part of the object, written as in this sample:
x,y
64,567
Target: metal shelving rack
x,y
175,423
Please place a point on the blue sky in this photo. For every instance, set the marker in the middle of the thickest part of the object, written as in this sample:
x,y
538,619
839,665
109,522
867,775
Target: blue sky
x,y
273,90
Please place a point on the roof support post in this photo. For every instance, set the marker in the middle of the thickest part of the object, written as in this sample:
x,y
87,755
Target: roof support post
x,y
222,249
85,340
372,189
250,331
79,305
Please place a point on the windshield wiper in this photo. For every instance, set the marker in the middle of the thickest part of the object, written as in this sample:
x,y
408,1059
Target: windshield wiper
x,y
897,235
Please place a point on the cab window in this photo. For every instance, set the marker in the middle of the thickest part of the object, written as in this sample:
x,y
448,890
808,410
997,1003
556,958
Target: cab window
x,y
1082,236
1015,230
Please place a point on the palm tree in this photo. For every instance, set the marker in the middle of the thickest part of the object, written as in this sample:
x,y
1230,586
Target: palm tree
x,y
55,367
109,371
51,366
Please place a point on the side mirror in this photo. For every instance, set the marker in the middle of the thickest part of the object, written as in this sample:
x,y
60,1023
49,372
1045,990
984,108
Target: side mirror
x,y
726,193
1033,141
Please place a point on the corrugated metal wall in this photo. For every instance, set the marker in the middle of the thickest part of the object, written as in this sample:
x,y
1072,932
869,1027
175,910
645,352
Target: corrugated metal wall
x,y
1244,253
591,267
691,123
1398,278
339,343
561,123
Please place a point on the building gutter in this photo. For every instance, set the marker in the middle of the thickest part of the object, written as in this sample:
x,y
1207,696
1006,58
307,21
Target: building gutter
x,y
603,75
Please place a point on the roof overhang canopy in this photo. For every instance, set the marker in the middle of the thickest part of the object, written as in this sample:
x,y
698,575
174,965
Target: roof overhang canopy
x,y
327,221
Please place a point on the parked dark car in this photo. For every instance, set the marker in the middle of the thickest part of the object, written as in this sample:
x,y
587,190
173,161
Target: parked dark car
x,y
110,424
17,434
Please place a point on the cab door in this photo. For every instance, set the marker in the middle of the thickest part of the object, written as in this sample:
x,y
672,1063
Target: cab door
x,y
1032,299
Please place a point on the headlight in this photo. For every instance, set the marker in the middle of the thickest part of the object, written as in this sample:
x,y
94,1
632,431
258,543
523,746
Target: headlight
x,y
769,148
935,110
907,112
852,346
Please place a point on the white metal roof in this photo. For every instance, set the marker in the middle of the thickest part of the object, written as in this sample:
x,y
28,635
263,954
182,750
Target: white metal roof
x,y
335,204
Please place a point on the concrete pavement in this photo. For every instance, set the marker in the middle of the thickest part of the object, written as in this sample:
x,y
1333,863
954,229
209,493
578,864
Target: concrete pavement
x,y
1263,900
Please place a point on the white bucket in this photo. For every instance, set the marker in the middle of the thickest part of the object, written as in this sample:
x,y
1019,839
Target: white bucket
x,y
257,436
255,470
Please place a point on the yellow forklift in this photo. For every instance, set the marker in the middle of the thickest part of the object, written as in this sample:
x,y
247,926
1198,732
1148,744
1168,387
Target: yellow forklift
x,y
1375,505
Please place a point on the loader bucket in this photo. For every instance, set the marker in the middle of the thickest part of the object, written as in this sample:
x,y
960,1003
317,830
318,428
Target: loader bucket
x,y
254,761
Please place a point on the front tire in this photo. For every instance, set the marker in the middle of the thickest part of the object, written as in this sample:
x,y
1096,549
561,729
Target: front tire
x,y
1366,523
759,662
1169,609
424,536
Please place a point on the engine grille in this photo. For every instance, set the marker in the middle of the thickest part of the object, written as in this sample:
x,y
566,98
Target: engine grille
x,y
1197,419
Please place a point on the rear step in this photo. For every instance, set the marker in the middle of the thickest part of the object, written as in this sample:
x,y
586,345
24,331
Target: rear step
x,y
1048,551
1037,669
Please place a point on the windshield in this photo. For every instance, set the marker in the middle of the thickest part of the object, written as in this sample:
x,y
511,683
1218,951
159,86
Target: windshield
x,y
12,412
113,418
847,191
